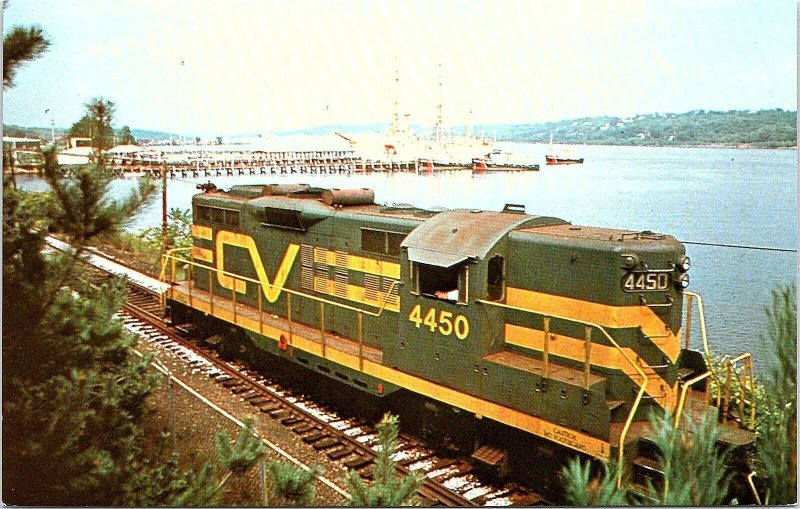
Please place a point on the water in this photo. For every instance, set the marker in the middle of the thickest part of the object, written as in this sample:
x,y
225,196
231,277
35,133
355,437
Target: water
x,y
730,196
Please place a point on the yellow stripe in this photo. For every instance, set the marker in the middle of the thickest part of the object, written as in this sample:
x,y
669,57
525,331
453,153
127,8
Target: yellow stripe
x,y
563,435
358,263
202,232
372,266
203,254
601,355
601,314
272,290
356,294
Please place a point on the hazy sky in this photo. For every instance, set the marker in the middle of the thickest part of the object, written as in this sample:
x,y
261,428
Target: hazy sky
x,y
221,67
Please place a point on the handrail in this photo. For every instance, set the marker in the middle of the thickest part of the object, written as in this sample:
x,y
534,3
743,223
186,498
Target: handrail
x,y
386,295
746,375
684,390
753,486
703,333
163,273
638,369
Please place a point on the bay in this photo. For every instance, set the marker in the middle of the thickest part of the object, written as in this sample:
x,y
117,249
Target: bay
x,y
712,195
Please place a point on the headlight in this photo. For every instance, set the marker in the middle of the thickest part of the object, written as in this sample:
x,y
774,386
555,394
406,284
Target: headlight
x,y
685,264
629,261
683,281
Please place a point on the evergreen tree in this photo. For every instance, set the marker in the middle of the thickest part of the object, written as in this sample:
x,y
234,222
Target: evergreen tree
x,y
386,489
73,395
291,485
101,115
20,45
72,392
125,137
238,456
694,468
581,489
777,431
82,128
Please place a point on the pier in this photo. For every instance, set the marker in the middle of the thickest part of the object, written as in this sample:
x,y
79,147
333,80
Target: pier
x,y
335,162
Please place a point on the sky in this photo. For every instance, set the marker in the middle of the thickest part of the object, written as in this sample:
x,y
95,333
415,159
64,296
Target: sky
x,y
235,66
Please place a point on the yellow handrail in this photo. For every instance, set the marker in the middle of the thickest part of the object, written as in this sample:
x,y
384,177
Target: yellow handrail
x,y
703,333
746,380
638,369
163,273
684,390
386,295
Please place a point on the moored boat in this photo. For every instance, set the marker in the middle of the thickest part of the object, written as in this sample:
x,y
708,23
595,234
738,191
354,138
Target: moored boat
x,y
558,159
563,158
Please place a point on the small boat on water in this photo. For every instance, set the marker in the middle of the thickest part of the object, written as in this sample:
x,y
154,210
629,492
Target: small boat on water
x,y
487,165
562,158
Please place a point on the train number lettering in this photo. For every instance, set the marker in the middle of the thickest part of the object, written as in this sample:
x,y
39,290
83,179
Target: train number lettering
x,y
446,325
645,281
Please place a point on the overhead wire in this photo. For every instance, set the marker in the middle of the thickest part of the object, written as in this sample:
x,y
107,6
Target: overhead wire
x,y
741,246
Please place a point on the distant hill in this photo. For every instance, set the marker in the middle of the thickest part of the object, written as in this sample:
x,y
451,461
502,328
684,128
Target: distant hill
x,y
44,133
761,129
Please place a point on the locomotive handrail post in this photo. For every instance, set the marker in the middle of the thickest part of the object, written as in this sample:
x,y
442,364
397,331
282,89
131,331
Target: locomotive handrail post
x,y
260,313
587,363
746,380
726,400
172,278
233,299
322,328
703,333
546,348
685,390
360,342
289,314
190,286
211,290
688,329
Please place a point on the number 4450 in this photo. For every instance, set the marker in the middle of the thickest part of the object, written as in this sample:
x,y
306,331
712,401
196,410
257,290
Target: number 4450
x,y
446,325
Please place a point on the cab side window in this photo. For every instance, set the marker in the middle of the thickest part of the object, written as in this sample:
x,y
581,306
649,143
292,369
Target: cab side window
x,y
443,283
496,282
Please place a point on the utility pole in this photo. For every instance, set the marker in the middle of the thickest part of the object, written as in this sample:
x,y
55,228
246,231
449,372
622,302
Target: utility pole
x,y
163,207
52,127
437,131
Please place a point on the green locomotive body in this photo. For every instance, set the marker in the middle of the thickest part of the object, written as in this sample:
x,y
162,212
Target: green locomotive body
x,y
569,333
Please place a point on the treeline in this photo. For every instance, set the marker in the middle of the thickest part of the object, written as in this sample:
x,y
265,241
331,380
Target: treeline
x,y
81,128
738,128
762,129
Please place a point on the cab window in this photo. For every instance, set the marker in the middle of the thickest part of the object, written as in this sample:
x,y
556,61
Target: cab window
x,y
443,283
495,284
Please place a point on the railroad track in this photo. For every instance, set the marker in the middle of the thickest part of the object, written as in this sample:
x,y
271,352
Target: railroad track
x,y
348,441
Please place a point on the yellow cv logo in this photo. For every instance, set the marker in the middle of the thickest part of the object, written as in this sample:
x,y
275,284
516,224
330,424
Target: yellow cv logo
x,y
272,289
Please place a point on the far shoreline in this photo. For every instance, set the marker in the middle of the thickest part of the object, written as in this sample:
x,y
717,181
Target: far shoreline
x,y
707,145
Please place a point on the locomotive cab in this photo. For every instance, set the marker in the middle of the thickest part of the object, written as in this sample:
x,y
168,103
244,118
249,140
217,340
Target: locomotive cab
x,y
449,263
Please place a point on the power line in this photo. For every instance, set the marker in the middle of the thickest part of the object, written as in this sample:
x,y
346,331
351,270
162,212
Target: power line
x,y
739,246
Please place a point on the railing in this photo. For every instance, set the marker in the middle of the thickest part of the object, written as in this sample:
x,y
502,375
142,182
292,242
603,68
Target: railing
x,y
172,259
588,326
746,382
685,390
746,378
162,274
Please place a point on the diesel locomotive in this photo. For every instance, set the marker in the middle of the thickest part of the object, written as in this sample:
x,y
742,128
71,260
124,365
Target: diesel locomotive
x,y
529,325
